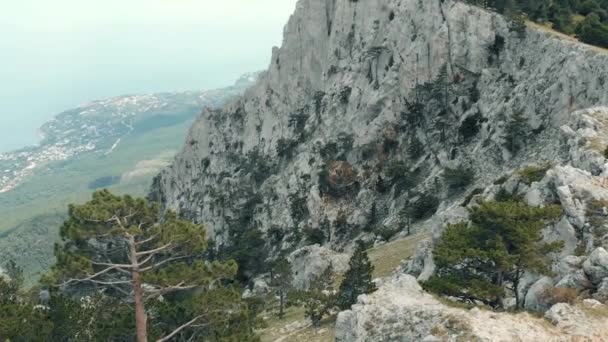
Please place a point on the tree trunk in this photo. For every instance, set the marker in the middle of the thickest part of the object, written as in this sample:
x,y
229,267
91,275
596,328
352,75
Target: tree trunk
x,y
140,311
516,290
500,282
282,304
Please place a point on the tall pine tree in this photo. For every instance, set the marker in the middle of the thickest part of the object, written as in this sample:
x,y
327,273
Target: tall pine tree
x,y
357,280
119,244
479,261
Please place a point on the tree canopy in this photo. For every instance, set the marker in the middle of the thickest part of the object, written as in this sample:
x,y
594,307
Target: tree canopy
x,y
480,260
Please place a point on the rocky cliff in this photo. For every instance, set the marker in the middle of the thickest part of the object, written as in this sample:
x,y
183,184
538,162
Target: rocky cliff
x,y
373,106
383,118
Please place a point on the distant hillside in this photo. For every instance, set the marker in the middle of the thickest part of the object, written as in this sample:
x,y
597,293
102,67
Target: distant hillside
x,y
118,143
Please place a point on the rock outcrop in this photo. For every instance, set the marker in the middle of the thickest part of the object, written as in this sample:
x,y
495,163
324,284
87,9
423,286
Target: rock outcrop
x,y
402,311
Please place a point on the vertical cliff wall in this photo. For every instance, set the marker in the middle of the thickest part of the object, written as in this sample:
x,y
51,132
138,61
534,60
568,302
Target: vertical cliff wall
x,y
370,107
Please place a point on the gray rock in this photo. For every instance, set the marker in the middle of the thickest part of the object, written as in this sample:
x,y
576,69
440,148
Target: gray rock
x,y
577,280
562,312
592,303
596,266
260,287
563,231
602,291
421,264
536,299
569,264
311,261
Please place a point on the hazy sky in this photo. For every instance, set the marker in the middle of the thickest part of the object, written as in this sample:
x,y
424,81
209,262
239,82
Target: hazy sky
x,y
56,54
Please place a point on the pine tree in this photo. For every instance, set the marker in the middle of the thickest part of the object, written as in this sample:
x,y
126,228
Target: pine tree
x,y
405,218
20,320
320,297
282,279
478,262
516,132
357,280
372,217
119,244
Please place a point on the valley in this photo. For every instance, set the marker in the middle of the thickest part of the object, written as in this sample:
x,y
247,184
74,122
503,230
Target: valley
x,y
118,143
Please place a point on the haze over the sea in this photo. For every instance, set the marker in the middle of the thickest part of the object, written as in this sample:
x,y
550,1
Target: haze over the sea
x,y
55,55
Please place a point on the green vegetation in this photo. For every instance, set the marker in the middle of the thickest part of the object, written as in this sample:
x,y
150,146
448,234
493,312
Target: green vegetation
x,y
458,179
319,297
111,247
534,173
33,212
593,29
282,279
481,260
357,280
131,248
516,132
424,206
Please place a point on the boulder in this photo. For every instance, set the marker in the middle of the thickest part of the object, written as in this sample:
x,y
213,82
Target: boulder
x,y
569,264
563,231
596,266
311,261
536,298
421,264
577,280
260,287
602,291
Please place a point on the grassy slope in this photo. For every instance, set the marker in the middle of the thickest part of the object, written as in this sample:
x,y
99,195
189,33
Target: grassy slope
x,y
32,213
295,327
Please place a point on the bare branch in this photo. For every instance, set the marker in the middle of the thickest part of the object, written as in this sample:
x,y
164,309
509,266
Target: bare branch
x,y
146,240
110,264
111,282
91,277
164,262
176,331
154,251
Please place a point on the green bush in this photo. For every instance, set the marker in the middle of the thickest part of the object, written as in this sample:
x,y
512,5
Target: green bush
x,y
534,173
504,196
386,233
593,31
458,179
425,206
470,127
314,236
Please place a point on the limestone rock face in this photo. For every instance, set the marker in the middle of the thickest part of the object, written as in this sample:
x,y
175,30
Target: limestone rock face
x,y
362,92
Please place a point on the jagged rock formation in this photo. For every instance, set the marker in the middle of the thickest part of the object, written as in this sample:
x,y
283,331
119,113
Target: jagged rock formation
x,y
401,311
370,107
